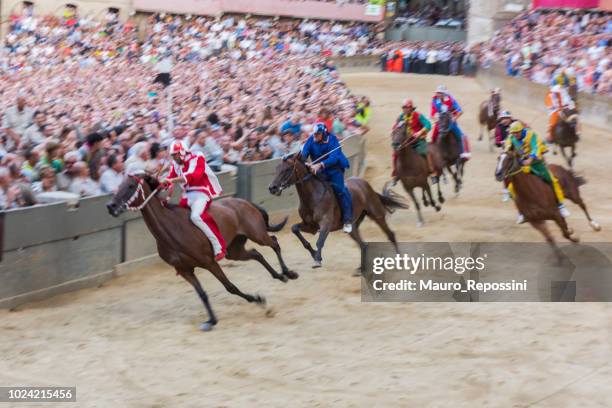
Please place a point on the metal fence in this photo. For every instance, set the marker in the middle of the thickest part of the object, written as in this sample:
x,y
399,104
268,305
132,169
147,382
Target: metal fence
x,y
51,249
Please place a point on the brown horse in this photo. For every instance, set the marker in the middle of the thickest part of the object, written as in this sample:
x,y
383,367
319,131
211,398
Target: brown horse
x,y
448,150
536,200
565,134
319,207
181,244
487,117
413,169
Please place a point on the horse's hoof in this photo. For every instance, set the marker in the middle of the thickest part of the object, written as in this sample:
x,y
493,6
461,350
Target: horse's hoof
x,y
441,199
291,275
595,225
207,326
420,224
260,300
283,278
316,264
438,208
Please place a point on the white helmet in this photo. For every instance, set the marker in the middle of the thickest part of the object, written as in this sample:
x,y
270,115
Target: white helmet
x,y
441,89
178,146
505,114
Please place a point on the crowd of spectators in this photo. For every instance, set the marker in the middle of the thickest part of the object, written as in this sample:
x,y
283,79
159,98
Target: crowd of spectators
x,y
429,13
79,106
538,43
427,57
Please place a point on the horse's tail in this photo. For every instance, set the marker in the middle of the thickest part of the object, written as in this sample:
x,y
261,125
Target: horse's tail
x,y
391,201
266,217
580,180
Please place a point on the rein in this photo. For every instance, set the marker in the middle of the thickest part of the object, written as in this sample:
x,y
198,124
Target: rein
x,y
140,192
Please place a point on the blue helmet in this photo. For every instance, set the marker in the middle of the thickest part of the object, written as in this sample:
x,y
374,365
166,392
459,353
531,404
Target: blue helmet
x,y
320,128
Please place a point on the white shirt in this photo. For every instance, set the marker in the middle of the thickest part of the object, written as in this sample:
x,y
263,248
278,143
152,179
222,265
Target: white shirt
x,y
110,181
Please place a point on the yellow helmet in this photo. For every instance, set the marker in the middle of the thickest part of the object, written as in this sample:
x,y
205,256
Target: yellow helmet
x,y
516,127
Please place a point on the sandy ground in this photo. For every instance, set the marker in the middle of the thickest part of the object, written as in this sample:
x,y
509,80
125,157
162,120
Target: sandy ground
x,y
135,342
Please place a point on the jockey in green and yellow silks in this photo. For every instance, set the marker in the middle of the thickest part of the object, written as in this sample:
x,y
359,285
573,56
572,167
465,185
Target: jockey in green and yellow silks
x,y
531,150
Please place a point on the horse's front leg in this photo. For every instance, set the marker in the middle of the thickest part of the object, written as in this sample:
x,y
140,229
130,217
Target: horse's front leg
x,y
318,258
297,230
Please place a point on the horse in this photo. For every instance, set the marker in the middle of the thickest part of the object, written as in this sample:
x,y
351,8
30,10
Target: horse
x,y
448,149
565,134
536,200
489,111
413,169
182,245
319,208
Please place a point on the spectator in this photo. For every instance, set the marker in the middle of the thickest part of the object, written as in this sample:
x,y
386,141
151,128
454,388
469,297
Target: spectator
x,y
82,184
15,121
112,177
48,181
292,126
28,168
65,177
137,162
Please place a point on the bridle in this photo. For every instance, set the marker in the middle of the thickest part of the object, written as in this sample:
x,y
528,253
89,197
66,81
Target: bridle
x,y
288,183
514,172
139,193
409,141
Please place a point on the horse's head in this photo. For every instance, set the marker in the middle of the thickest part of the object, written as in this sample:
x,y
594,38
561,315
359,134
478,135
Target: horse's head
x,y
495,101
570,116
445,120
131,194
291,170
399,136
507,164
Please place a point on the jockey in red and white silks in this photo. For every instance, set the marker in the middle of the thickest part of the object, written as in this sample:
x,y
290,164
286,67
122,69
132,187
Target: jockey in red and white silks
x,y
200,185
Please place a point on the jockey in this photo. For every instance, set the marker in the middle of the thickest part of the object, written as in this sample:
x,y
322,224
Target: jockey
x,y
564,77
325,145
557,99
443,101
201,186
490,107
530,147
418,126
501,128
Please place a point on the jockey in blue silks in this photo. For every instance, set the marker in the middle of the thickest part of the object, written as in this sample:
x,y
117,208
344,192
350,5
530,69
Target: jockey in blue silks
x,y
332,166
442,101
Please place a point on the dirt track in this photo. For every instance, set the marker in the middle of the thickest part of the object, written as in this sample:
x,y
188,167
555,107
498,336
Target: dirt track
x,y
134,342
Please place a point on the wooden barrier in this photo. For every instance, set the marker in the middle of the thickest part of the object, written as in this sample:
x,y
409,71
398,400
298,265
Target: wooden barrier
x,y
594,109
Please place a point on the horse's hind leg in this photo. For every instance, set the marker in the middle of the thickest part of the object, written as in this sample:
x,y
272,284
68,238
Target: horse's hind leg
x,y
277,250
238,252
357,238
424,198
216,270
189,275
382,223
594,224
297,230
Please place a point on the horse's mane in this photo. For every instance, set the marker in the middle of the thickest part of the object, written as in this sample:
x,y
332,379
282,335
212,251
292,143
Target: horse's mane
x,y
151,180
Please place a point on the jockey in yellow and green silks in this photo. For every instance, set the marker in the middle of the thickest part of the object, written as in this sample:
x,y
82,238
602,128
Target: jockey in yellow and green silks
x,y
531,150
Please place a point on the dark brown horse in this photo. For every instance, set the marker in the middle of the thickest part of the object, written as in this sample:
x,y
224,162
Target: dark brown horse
x,y
413,169
536,200
565,134
181,244
319,207
448,150
487,117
